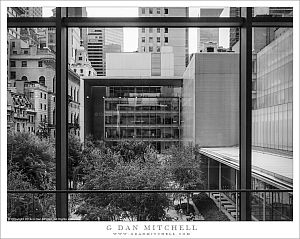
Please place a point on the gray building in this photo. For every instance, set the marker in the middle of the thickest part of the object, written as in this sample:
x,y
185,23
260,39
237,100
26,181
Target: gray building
x,y
210,100
100,42
205,35
152,39
273,118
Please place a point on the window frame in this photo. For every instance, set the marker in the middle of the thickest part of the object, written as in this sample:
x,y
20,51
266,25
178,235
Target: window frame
x,y
245,22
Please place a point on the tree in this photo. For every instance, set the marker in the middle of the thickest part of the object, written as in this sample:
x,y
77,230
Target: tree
x,y
122,168
34,157
30,167
74,160
186,167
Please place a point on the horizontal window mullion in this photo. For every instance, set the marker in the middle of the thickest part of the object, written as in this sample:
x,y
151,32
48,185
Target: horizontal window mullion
x,y
31,22
153,22
150,22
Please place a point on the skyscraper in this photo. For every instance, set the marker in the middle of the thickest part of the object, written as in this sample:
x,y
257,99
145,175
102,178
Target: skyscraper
x,y
205,35
152,39
100,42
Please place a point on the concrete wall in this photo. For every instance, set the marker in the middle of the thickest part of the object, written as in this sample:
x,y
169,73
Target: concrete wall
x,y
140,64
215,83
128,64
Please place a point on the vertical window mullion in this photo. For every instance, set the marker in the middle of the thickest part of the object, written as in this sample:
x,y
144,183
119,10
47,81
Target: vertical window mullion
x,y
61,114
245,113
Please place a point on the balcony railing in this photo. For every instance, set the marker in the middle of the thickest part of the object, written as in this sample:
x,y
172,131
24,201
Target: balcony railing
x,y
183,205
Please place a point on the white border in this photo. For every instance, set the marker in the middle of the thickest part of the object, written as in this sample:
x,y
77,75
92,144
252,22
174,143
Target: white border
x,y
98,229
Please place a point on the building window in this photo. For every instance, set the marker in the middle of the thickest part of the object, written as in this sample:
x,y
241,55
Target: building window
x,y
41,106
40,64
41,95
143,10
12,75
166,39
166,30
143,30
158,39
18,127
143,39
45,107
150,10
158,11
24,63
42,80
143,49
150,48
75,70
45,96
80,58
158,49
15,52
26,52
81,70
150,30
166,11
13,44
12,64
150,39
24,78
158,30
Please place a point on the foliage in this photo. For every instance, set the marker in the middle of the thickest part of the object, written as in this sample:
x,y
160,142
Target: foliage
x,y
208,208
30,167
119,169
185,167
131,150
34,157
74,159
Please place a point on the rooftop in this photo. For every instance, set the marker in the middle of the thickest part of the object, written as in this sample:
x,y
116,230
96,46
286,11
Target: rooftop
x,y
265,165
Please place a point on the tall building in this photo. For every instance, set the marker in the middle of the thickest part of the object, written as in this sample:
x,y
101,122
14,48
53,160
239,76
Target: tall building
x,y
75,35
100,42
266,33
205,35
152,39
273,119
234,31
80,12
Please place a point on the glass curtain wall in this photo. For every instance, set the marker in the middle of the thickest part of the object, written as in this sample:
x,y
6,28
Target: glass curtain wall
x,y
162,114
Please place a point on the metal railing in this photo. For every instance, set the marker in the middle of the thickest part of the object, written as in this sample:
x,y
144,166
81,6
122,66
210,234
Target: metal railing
x,y
212,205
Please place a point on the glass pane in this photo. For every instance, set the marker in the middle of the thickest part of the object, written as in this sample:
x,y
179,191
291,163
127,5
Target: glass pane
x,y
31,122
272,11
272,132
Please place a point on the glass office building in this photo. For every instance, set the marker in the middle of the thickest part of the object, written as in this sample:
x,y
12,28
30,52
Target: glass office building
x,y
273,118
150,114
